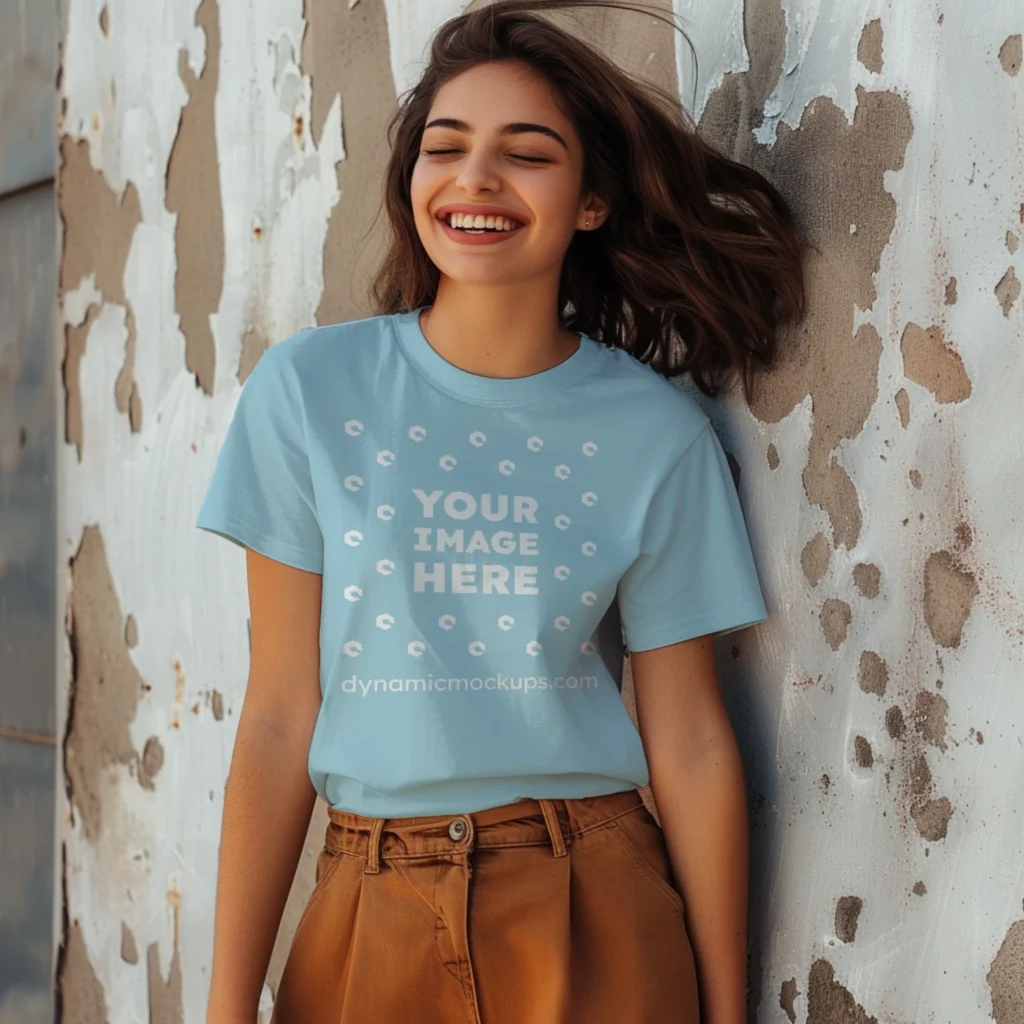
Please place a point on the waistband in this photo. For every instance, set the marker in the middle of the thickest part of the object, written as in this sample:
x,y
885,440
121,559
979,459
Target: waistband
x,y
521,823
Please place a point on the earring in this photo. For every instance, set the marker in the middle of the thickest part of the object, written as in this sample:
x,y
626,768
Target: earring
x,y
586,223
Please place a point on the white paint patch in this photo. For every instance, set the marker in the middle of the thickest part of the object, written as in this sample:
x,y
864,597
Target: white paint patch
x,y
821,60
411,24
719,45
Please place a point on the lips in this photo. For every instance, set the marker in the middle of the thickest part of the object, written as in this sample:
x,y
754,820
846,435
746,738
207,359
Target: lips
x,y
491,224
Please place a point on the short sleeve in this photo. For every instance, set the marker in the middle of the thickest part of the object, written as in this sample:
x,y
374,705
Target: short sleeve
x,y
695,572
261,493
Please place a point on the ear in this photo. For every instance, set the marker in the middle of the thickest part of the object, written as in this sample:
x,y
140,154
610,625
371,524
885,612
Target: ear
x,y
593,209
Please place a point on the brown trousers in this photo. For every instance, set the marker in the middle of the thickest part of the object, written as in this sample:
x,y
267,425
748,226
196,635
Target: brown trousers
x,y
535,912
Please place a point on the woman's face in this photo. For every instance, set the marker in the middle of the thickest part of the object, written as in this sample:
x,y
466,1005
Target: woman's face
x,y
497,146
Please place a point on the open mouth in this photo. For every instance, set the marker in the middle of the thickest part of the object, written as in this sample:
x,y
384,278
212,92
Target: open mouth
x,y
481,224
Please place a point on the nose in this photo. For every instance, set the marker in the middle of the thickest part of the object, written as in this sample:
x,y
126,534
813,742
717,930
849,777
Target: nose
x,y
478,173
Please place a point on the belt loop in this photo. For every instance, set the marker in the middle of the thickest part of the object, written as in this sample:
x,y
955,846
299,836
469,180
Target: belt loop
x,y
373,848
554,827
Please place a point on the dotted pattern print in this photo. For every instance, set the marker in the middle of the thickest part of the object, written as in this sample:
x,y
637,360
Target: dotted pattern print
x,y
497,511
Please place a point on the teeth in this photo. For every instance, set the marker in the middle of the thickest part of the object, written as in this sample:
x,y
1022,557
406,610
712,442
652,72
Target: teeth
x,y
479,222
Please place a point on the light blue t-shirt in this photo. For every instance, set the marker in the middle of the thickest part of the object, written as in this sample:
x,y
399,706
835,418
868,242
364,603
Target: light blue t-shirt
x,y
486,545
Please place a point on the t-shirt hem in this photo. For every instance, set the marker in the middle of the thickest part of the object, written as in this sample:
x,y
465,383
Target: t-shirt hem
x,y
385,806
717,623
248,536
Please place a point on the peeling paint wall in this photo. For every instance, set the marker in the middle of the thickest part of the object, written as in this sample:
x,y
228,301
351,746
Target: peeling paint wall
x,y
221,167
195,199
880,709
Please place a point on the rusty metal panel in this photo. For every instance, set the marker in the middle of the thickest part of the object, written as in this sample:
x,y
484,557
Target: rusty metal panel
x,y
28,92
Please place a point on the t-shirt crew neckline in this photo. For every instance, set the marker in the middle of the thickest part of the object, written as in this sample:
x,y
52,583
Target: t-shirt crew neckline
x,y
472,387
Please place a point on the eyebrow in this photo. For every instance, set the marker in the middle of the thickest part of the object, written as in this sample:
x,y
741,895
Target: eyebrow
x,y
514,128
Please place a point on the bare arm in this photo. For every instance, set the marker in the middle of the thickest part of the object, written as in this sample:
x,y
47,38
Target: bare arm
x,y
697,780
269,798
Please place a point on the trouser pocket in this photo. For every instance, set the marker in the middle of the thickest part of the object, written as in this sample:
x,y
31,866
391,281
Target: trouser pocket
x,y
641,837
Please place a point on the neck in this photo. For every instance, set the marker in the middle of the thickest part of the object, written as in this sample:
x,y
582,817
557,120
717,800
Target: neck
x,y
510,331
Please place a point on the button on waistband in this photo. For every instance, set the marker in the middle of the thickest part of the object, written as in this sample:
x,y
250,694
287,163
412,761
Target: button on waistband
x,y
457,829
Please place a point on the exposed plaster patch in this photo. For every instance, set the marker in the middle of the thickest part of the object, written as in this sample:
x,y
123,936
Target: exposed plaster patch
x,y
129,947
867,578
105,685
254,344
951,292
165,1002
894,723
1006,976
1012,241
217,703
829,486
835,618
920,776
75,338
949,593
151,763
815,557
773,457
873,674
99,227
822,357
1010,54
932,818
930,711
829,1002
848,910
931,361
787,997
964,536
903,407
869,48
919,889
82,998
193,193
1007,290
105,20
342,51
915,479
862,752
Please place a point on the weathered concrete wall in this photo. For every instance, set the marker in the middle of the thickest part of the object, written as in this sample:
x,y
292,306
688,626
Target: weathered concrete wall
x,y
29,36
210,207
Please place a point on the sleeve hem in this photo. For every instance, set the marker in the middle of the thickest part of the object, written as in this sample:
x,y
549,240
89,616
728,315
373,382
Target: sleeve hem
x,y
717,623
248,536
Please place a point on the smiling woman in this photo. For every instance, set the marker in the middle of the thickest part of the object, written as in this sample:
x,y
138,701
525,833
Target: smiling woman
x,y
561,243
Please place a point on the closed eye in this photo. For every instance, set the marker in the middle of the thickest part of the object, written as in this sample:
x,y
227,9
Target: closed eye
x,y
514,156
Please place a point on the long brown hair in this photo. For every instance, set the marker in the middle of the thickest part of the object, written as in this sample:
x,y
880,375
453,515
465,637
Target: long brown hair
x,y
699,262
